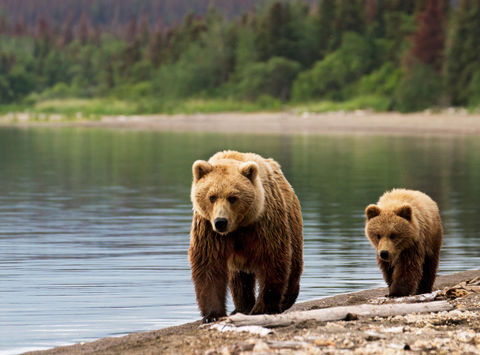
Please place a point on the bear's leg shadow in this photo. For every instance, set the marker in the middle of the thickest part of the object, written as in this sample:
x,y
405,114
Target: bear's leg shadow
x,y
242,286
211,291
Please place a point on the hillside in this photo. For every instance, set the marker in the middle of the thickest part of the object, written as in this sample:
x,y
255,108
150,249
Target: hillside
x,y
114,12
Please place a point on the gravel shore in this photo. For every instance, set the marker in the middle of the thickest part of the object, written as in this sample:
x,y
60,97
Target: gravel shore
x,y
450,332
449,122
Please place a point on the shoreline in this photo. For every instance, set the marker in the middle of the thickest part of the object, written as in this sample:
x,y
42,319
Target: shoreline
x,y
356,122
189,338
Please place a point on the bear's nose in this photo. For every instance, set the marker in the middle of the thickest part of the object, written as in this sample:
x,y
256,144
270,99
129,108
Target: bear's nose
x,y
221,224
384,254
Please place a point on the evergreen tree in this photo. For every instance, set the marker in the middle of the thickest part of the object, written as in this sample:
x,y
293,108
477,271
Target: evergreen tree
x,y
276,37
131,30
83,29
350,16
144,29
67,34
463,50
325,27
428,40
156,48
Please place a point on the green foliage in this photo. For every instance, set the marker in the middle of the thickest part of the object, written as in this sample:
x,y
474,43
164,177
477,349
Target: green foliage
x,y
328,77
273,78
463,51
352,51
382,81
474,91
363,102
324,27
419,89
275,37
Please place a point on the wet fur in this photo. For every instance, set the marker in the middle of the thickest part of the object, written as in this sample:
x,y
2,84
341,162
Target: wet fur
x,y
414,252
265,247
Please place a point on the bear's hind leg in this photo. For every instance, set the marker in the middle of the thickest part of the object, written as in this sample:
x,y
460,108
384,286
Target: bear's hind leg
x,y
293,287
272,287
242,286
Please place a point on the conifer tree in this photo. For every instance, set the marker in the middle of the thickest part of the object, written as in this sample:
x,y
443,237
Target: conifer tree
x,y
463,50
83,29
428,40
275,37
67,33
325,26
350,16
144,29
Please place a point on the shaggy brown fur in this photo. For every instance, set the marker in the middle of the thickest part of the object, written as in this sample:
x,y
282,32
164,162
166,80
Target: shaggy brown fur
x,y
247,227
406,230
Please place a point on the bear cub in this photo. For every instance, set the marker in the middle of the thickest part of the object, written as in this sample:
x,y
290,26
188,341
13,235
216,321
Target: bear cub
x,y
246,228
406,230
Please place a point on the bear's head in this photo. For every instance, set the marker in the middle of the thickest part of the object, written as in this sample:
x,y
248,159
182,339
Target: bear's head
x,y
390,231
228,193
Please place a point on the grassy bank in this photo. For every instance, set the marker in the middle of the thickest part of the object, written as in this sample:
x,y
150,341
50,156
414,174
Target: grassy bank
x,y
71,108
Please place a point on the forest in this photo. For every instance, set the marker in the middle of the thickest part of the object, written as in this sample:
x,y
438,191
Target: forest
x,y
153,55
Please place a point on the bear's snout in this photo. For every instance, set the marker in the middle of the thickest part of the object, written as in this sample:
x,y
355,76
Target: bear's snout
x,y
384,255
220,224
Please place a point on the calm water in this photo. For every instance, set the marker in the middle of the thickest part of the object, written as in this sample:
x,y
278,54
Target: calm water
x,y
94,224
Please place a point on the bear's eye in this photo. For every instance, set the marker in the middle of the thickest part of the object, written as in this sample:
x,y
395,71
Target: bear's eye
x,y
213,198
232,199
379,236
393,236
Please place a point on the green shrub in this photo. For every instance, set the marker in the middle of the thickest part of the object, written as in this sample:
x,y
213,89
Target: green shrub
x,y
273,78
419,89
474,91
328,77
380,82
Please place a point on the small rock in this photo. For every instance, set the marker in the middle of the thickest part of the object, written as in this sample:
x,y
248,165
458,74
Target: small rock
x,y
261,347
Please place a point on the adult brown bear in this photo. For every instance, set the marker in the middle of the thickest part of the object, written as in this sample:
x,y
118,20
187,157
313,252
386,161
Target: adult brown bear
x,y
247,227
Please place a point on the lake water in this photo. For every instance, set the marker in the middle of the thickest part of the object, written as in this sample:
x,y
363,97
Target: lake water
x,y
94,224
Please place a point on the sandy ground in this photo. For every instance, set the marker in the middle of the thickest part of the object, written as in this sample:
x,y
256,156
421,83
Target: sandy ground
x,y
449,332
358,122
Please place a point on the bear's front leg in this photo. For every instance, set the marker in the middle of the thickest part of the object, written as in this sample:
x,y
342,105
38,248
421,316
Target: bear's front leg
x,y
407,274
387,270
211,290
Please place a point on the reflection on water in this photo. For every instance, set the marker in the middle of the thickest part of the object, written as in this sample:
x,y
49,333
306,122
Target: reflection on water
x,y
94,223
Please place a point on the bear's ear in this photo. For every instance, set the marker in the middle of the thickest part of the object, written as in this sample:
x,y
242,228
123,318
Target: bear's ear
x,y
372,211
249,170
200,168
404,211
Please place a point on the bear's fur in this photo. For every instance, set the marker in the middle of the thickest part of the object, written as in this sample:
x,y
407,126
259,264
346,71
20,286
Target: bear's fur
x,y
406,230
247,227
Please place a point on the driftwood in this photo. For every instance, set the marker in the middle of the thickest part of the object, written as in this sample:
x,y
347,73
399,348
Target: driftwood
x,y
338,313
425,297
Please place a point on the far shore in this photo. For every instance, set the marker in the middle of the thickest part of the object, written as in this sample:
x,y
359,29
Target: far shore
x,y
445,332
357,122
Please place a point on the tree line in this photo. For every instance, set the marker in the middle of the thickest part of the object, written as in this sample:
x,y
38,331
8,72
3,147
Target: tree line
x,y
408,55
